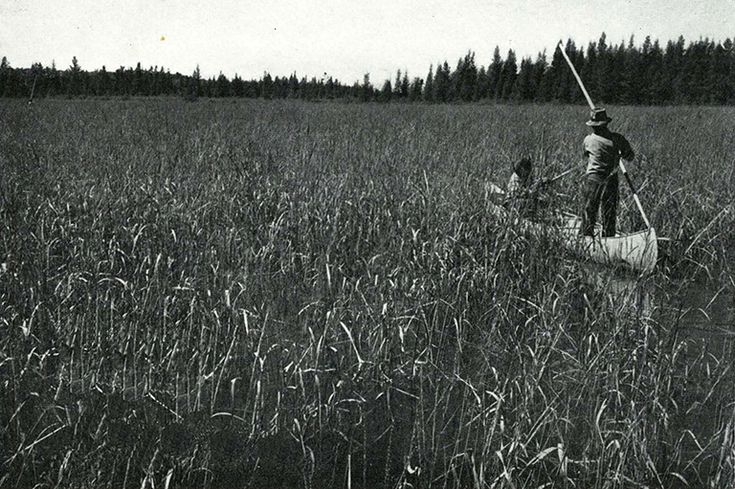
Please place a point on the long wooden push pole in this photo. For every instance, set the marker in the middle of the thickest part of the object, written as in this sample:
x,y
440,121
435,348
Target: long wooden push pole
x,y
635,194
576,75
592,106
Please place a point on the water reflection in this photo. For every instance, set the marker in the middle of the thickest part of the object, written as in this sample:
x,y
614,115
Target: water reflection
x,y
700,309
630,294
689,331
697,309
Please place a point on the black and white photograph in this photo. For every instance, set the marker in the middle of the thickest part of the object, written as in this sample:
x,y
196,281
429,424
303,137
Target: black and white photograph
x,y
339,244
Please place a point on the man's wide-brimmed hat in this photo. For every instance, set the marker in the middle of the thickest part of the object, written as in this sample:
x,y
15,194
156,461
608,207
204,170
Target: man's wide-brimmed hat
x,y
598,117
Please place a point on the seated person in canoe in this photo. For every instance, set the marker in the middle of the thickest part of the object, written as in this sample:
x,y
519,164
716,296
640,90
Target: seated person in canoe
x,y
522,191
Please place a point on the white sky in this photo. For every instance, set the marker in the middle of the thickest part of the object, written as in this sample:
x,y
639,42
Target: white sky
x,y
344,38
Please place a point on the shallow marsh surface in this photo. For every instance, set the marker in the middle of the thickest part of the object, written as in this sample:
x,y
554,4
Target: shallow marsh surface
x,y
285,294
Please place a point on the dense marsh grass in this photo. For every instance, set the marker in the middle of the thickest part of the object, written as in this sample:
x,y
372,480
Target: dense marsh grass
x,y
281,294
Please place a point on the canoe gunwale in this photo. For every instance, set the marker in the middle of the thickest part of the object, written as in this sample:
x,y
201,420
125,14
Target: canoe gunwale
x,y
638,250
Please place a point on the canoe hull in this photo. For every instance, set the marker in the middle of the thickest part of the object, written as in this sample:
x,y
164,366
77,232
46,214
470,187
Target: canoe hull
x,y
638,251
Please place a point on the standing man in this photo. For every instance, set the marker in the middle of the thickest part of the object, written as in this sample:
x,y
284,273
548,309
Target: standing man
x,y
603,150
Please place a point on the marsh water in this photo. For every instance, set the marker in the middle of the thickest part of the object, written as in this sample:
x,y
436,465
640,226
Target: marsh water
x,y
702,310
695,327
694,309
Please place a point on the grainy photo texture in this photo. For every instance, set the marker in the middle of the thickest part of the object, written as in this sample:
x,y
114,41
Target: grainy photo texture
x,y
388,244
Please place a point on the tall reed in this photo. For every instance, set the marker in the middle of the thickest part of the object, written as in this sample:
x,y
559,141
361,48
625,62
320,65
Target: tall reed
x,y
306,295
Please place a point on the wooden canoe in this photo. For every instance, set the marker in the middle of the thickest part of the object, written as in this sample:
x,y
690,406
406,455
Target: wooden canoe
x,y
638,251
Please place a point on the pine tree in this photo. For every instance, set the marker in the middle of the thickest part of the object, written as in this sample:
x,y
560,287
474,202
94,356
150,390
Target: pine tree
x,y
222,86
676,67
293,86
441,83
397,85
566,88
702,72
328,89
454,81
655,90
588,71
482,87
466,77
580,62
366,89
208,88
137,80
386,92
74,73
449,92
4,77
494,74
266,86
552,78
52,76
416,89
429,85
604,76
620,78
696,67
193,88
523,90
169,81
643,73
508,76
103,82
718,75
539,70
238,87
729,47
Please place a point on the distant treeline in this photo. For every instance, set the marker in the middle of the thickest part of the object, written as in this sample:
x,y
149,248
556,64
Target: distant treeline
x,y
700,72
